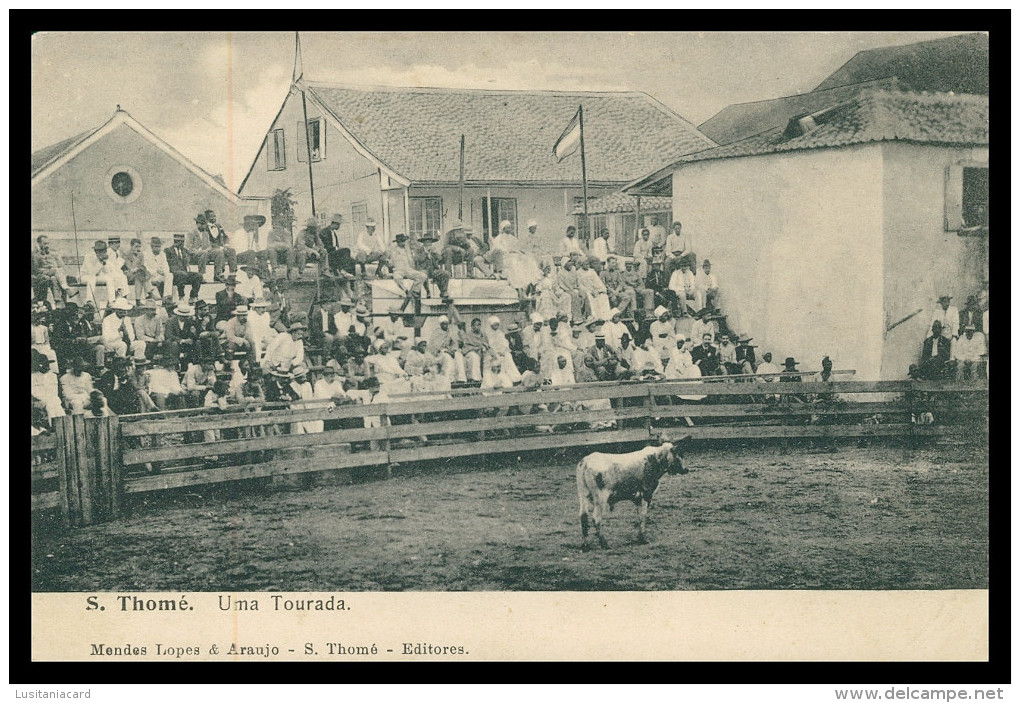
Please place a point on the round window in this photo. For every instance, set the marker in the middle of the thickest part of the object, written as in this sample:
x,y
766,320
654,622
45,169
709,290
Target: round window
x,y
123,184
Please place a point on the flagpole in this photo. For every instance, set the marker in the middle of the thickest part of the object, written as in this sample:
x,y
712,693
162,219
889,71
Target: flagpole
x,y
460,207
584,178
308,145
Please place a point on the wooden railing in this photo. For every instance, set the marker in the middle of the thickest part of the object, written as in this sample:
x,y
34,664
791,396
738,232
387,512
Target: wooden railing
x,y
90,463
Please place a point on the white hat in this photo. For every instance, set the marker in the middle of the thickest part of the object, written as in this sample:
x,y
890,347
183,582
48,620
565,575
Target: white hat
x,y
503,225
536,319
532,223
659,311
260,303
492,318
613,313
121,304
184,310
442,319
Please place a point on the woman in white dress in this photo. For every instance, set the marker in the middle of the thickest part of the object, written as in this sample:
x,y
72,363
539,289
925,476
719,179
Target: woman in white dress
x,y
499,347
520,267
595,289
44,385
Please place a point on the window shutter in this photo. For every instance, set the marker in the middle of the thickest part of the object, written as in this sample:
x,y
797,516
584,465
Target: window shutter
x,y
322,138
302,142
954,198
267,147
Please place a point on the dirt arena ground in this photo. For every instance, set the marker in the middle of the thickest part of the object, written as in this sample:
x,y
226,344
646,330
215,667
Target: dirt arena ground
x,y
764,518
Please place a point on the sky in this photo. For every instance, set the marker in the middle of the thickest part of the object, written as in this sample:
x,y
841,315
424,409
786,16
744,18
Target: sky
x,y
213,95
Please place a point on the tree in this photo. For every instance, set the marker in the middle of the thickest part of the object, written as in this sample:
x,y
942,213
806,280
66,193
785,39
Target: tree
x,y
282,210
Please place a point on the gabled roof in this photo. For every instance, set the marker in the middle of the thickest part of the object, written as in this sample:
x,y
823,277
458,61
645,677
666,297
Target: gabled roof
x,y
952,64
741,120
50,159
622,202
509,135
873,116
53,151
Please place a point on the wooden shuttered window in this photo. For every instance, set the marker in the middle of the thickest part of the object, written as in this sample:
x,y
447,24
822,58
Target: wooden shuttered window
x,y
316,128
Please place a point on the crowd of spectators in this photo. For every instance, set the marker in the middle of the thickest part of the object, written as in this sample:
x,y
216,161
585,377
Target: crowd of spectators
x,y
585,318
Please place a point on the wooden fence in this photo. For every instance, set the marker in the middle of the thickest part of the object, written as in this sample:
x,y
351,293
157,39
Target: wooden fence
x,y
89,464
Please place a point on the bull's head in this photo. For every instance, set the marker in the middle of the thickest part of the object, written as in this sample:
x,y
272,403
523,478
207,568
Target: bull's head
x,y
674,456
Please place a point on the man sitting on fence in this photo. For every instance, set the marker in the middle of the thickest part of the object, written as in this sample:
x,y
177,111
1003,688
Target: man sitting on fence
x,y
119,333
401,258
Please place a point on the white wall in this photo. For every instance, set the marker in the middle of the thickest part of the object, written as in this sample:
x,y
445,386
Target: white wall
x,y
796,241
922,261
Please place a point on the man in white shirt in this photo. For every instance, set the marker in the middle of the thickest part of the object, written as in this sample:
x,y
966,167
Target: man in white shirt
x,y
287,349
600,247
401,259
614,330
100,268
657,231
948,315
369,248
706,287
249,242
331,385
967,351
643,252
678,240
681,285
261,328
570,243
249,285
76,386
158,268
118,333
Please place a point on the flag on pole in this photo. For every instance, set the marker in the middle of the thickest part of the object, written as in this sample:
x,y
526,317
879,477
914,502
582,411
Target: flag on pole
x,y
570,140
298,68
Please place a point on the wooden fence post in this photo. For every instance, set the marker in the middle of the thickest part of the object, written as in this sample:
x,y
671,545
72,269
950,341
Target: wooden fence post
x,y
384,422
64,436
91,484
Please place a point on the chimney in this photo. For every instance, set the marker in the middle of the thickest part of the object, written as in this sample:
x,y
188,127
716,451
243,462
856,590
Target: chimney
x,y
799,126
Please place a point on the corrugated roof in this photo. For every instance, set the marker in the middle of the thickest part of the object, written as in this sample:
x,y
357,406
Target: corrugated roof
x,y
621,202
741,120
55,151
932,118
958,64
509,134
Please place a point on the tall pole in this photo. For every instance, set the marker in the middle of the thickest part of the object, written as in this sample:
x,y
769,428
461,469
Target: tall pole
x,y
460,206
584,178
298,73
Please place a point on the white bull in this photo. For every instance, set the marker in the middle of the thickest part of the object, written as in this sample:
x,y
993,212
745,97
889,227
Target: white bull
x,y
606,479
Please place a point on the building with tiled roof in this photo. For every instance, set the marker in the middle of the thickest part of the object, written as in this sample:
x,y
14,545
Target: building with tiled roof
x,y
836,232
957,64
393,154
125,180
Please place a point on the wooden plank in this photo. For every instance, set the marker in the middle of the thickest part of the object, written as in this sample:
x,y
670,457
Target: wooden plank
x,y
950,386
520,444
45,501
44,442
478,424
236,446
777,388
82,468
339,460
116,467
45,472
249,419
758,411
61,425
101,450
763,432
